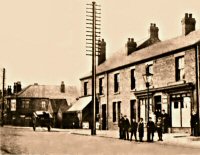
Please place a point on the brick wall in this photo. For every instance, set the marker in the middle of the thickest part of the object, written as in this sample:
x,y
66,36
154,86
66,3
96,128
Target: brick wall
x,y
164,75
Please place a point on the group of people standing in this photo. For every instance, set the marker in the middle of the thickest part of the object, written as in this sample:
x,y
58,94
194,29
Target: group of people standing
x,y
133,127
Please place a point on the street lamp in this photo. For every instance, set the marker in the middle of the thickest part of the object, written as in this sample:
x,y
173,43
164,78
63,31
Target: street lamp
x,y
148,80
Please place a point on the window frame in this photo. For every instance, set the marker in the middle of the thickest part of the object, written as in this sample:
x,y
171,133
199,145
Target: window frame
x,y
116,82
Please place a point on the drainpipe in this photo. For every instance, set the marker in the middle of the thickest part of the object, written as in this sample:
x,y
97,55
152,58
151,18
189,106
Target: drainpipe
x,y
197,84
107,101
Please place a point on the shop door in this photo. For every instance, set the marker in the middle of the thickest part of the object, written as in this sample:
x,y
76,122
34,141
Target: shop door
x,y
176,113
142,110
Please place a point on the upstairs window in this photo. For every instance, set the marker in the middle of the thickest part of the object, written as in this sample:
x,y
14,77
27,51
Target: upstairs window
x,y
116,82
180,71
149,69
43,104
85,88
101,86
132,79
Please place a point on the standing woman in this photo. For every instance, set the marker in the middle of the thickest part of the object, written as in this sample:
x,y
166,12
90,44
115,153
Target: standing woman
x,y
141,129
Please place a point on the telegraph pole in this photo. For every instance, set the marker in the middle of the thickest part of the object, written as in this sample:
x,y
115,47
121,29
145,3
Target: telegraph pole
x,y
3,95
92,36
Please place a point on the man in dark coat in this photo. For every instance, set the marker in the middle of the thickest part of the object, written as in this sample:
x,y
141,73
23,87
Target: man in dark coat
x,y
194,124
141,129
165,120
150,130
121,131
134,126
126,127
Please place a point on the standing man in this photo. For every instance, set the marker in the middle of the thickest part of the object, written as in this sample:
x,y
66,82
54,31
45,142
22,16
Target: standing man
x,y
121,132
159,128
126,127
141,129
194,123
150,130
134,126
165,118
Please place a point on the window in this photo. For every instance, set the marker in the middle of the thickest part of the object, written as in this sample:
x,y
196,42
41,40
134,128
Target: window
x,y
175,105
180,72
149,69
116,82
101,86
85,88
132,79
43,104
26,105
116,111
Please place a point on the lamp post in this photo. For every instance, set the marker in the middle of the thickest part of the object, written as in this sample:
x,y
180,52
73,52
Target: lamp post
x,y
148,80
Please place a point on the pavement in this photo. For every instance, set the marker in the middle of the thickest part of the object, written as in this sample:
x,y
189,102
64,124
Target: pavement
x,y
178,139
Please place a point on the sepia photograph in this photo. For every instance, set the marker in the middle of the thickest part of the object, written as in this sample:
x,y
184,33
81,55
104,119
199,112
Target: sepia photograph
x,y
99,77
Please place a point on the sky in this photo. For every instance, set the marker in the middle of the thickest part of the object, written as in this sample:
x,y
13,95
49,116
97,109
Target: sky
x,y
43,41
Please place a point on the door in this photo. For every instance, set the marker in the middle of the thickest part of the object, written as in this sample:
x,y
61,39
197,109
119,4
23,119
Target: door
x,y
133,109
103,116
181,112
176,113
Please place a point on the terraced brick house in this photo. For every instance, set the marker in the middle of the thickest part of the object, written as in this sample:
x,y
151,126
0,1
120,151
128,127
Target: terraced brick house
x,y
174,64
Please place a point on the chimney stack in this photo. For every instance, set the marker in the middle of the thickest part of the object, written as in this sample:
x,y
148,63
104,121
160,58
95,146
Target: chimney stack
x,y
188,24
9,90
131,46
102,51
62,87
154,31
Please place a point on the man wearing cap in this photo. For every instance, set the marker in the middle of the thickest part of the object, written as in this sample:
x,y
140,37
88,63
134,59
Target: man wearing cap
x,y
126,127
150,130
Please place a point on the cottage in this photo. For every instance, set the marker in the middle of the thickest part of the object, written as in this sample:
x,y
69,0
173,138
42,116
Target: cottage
x,y
53,98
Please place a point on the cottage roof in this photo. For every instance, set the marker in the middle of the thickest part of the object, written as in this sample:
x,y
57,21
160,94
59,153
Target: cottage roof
x,y
120,58
49,91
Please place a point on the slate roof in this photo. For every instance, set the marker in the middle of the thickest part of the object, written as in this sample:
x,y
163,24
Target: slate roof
x,y
120,58
49,91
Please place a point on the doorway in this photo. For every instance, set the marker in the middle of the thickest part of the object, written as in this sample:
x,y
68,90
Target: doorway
x,y
103,116
133,109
